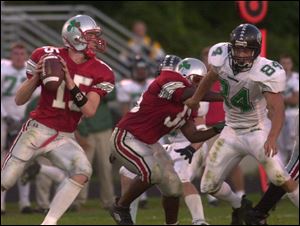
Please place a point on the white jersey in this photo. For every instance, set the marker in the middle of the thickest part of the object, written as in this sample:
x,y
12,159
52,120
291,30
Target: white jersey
x,y
129,91
11,79
244,103
292,85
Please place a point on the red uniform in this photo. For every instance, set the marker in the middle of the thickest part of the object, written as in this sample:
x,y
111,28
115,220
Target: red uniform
x,y
159,110
215,112
56,109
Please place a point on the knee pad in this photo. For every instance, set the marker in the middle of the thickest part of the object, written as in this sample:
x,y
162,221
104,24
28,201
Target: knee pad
x,y
209,185
84,167
276,172
170,185
12,171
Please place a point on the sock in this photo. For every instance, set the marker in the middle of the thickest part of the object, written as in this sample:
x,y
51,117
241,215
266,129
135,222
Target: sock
x,y
294,196
194,203
24,192
143,196
240,193
3,195
62,200
270,198
134,208
225,193
53,173
211,198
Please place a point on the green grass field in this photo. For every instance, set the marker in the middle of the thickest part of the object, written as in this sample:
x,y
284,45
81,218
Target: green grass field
x,y
93,214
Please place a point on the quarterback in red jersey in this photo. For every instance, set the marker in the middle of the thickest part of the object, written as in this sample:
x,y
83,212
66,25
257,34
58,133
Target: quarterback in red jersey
x,y
134,141
50,129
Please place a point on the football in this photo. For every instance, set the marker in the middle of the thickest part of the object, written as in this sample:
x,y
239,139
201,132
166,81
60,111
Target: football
x,y
52,72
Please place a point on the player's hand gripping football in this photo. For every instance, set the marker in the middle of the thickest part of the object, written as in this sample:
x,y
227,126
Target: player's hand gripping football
x,y
270,147
69,81
38,69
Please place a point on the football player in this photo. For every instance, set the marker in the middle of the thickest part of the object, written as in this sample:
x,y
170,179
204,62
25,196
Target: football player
x,y
131,88
50,129
159,111
251,85
291,101
13,73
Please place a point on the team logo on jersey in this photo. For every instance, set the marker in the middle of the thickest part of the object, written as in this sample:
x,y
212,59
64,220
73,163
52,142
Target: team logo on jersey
x,y
73,24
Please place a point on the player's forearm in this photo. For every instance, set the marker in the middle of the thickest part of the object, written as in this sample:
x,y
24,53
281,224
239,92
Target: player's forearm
x,y
201,136
203,88
276,115
26,90
89,109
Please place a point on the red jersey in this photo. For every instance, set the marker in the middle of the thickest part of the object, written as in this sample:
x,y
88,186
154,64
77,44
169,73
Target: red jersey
x,y
159,110
57,109
215,112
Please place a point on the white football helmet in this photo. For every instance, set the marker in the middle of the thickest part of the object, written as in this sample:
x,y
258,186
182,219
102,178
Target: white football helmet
x,y
75,34
190,68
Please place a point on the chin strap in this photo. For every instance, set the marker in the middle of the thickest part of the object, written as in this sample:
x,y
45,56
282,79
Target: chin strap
x,y
89,53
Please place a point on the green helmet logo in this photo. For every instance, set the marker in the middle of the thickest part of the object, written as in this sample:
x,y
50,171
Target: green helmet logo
x,y
184,65
73,24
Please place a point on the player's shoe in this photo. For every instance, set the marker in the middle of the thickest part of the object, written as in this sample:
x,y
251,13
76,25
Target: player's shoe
x,y
199,222
121,215
238,214
26,210
254,217
2,212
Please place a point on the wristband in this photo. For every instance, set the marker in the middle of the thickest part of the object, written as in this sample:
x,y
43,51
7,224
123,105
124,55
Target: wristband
x,y
79,98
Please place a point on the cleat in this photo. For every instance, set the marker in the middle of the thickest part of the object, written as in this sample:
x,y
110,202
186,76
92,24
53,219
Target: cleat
x,y
254,217
121,215
26,210
238,214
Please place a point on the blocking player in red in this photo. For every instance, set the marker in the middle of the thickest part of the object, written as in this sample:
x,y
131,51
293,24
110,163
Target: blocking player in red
x,y
134,141
50,129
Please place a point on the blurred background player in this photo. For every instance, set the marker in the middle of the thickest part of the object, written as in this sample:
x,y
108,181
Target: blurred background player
x,y
13,74
93,134
141,44
291,102
50,130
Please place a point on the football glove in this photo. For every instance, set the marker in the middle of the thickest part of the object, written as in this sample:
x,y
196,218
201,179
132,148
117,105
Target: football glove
x,y
188,152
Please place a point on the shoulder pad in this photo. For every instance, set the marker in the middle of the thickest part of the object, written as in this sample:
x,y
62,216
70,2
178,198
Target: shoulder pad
x,y
269,73
218,54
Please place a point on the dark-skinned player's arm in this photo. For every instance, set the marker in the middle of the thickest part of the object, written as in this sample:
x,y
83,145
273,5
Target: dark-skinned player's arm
x,y
203,89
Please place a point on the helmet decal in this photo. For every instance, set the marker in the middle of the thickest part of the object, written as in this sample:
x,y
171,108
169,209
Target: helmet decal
x,y
185,64
73,24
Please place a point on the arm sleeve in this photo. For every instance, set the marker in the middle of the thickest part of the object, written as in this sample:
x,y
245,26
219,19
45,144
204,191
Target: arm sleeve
x,y
172,87
104,84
